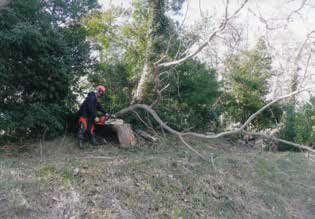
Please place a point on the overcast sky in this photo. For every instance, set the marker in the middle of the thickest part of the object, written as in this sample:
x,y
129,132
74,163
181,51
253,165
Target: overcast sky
x,y
300,25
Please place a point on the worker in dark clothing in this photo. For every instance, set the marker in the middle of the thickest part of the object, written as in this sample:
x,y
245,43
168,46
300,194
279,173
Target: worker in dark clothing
x,y
87,114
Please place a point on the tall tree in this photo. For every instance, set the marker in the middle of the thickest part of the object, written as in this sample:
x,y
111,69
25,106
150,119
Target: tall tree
x,y
247,81
157,24
43,54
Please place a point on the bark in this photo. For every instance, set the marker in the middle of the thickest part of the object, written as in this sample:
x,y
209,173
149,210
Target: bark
x,y
144,80
156,10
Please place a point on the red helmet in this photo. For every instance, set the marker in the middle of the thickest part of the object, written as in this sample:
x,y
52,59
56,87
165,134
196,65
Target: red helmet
x,y
100,88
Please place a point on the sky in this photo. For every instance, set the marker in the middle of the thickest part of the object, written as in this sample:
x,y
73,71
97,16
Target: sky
x,y
276,10
267,8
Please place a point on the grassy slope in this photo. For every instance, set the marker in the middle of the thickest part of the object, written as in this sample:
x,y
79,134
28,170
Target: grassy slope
x,y
165,180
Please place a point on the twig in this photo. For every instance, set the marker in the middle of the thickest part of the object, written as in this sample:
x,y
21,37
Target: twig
x,y
297,11
139,117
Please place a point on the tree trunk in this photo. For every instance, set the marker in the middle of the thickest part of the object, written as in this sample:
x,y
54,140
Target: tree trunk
x,y
156,12
295,71
144,79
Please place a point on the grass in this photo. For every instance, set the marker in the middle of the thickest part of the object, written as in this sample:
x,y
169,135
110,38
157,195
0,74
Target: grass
x,y
55,179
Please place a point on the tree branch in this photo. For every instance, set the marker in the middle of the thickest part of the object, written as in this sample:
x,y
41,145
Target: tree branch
x,y
304,147
214,33
213,136
297,11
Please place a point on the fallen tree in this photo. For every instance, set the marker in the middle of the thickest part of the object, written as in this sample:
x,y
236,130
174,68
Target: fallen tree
x,y
181,135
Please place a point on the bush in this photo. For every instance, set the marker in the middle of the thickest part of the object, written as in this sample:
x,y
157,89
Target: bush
x,y
298,126
34,121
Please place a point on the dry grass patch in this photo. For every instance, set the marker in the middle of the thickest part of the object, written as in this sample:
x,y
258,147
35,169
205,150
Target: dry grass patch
x,y
161,180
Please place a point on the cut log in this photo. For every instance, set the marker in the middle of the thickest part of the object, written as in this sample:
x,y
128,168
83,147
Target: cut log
x,y
123,131
125,135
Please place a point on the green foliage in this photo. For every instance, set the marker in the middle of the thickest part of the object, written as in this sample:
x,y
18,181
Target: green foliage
x,y
43,54
247,85
298,126
195,83
115,78
34,120
188,102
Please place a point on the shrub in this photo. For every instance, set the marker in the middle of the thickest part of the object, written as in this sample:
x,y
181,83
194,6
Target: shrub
x,y
298,126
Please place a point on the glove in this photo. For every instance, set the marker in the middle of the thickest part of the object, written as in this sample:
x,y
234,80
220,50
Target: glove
x,y
96,119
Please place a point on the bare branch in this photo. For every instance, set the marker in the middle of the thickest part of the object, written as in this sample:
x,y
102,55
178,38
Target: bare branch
x,y
269,104
264,20
304,147
164,88
297,11
219,29
307,67
200,11
185,17
147,125
227,9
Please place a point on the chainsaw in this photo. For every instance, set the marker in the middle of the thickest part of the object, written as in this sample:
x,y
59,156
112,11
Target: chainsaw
x,y
107,119
100,120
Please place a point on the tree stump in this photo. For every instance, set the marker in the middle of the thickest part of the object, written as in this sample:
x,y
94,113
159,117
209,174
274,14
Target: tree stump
x,y
124,133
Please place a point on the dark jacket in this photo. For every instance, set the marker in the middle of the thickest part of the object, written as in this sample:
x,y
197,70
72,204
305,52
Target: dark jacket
x,y
89,106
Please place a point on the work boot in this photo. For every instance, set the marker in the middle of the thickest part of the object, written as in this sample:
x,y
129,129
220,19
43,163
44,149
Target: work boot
x,y
93,140
80,143
97,141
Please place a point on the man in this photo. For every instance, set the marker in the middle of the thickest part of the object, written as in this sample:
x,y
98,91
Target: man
x,y
87,114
